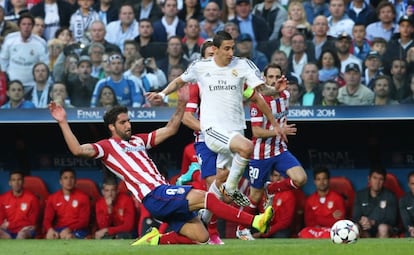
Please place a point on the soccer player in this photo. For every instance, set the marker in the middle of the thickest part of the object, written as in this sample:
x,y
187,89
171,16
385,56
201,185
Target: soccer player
x,y
221,80
126,156
19,210
270,150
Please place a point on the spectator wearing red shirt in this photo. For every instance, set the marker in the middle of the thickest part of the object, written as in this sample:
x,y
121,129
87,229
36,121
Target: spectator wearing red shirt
x,y
67,211
19,210
283,204
115,213
322,208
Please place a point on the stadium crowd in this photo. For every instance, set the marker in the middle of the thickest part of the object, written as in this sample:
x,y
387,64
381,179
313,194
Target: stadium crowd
x,y
100,54
338,52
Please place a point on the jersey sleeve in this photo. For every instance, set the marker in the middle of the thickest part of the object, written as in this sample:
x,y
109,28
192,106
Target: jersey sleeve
x,y
252,74
190,74
194,98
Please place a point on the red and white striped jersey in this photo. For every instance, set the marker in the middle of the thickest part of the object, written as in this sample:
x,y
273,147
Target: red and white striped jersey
x,y
129,160
272,146
192,106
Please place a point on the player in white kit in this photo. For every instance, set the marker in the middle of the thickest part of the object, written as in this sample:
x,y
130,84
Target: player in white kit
x,y
222,80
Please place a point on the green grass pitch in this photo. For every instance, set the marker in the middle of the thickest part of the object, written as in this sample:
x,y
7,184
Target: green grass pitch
x,y
392,246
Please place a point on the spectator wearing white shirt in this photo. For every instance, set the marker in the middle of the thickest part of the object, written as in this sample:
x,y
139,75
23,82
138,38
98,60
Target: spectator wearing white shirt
x,y
339,21
21,50
126,28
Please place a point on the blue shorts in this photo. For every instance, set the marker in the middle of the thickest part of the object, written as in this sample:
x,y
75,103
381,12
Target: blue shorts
x,y
168,203
260,169
79,233
207,159
14,235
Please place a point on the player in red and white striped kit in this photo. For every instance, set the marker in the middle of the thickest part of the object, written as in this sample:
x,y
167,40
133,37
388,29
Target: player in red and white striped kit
x,y
270,151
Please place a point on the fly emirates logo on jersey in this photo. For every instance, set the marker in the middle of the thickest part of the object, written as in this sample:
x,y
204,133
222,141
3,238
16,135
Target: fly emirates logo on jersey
x,y
134,148
222,85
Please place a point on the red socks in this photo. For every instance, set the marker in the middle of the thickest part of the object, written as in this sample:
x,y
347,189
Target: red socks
x,y
175,238
286,184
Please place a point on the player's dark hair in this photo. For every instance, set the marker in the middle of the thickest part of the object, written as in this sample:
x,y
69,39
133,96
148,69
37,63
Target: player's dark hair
x,y
272,65
25,15
205,45
379,170
68,169
111,115
221,36
321,169
16,172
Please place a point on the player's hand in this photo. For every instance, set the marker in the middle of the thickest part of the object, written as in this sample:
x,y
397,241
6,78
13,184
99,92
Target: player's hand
x,y
154,98
281,83
57,111
100,233
289,129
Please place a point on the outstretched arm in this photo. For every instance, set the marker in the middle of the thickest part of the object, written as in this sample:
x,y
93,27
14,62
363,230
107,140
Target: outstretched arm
x,y
171,87
174,123
281,84
59,114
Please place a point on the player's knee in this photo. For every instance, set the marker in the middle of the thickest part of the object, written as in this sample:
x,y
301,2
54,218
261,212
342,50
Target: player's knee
x,y
384,231
298,176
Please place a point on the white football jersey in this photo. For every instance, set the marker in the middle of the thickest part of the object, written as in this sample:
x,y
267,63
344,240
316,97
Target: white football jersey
x,y
221,91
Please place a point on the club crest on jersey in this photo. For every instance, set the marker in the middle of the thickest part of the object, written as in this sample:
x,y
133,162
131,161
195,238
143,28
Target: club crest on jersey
x,y
383,204
258,74
253,112
234,73
180,191
75,203
121,212
330,204
23,206
279,202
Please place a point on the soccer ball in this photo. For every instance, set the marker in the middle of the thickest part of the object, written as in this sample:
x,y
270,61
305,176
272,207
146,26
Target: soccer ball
x,y
344,231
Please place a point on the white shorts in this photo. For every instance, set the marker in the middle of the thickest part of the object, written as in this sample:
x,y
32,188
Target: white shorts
x,y
219,142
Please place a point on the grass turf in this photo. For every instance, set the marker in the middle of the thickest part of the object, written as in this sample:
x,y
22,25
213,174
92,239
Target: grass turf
x,y
393,246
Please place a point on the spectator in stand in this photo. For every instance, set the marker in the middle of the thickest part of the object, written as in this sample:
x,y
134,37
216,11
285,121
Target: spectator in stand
x,y
15,93
233,29
321,40
229,10
192,40
283,204
382,91
211,23
56,14
360,46
39,94
409,99
65,35
173,72
107,97
174,55
339,22
106,10
280,58
322,208
300,55
400,83
245,49
315,8
406,207
39,27
361,12
127,91
19,7
191,10
284,41
372,69
81,87
115,213
375,208
20,51
170,24
131,50
95,53
398,47
126,28
379,45
147,9
97,31
330,89
148,47
329,66
81,20
55,48
295,91
19,210
67,210
146,71
310,82
273,13
251,24
4,79
354,93
69,70
6,27
59,95
297,13
385,27
343,48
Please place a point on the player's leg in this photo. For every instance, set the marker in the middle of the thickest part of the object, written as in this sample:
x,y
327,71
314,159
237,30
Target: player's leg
x,y
289,165
4,234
